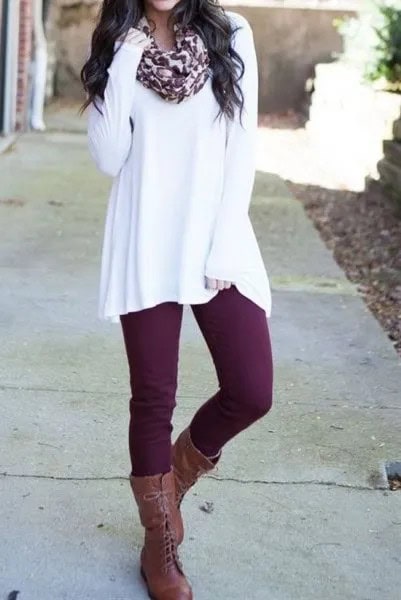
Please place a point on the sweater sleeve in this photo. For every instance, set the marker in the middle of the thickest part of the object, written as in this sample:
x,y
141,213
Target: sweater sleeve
x,y
226,255
109,131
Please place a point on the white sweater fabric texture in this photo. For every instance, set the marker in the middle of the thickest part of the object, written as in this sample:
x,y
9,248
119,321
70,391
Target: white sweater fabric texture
x,y
183,179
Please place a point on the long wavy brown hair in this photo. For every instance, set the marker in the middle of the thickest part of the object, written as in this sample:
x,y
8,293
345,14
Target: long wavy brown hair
x,y
206,17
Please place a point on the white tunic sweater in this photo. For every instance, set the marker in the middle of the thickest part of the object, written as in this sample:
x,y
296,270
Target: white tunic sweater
x,y
178,208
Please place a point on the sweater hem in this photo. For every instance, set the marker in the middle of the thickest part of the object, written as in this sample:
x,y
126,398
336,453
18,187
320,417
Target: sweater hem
x,y
114,316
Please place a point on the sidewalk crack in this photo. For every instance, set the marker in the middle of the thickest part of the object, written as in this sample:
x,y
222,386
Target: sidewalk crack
x,y
61,477
322,482
317,482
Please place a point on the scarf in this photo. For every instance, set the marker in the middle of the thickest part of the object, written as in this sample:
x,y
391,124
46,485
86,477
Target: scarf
x,y
174,74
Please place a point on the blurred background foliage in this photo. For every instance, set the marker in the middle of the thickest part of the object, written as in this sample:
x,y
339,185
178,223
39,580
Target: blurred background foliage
x,y
372,42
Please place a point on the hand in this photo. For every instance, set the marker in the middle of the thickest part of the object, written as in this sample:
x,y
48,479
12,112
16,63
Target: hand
x,y
217,284
135,37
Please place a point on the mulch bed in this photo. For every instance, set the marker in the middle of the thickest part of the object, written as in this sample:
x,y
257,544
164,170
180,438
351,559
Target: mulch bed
x,y
364,232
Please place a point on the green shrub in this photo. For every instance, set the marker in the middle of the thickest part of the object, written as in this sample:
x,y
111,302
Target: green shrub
x,y
387,62
372,42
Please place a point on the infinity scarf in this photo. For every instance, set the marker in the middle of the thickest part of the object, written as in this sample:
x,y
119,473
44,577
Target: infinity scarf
x,y
174,74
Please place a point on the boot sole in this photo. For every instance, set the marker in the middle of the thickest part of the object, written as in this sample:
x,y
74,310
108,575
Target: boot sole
x,y
147,586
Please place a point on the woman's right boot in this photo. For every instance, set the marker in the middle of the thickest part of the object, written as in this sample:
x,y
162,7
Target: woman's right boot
x,y
160,564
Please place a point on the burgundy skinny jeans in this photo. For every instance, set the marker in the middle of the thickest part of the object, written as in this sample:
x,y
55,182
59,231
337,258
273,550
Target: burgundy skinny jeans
x,y
237,335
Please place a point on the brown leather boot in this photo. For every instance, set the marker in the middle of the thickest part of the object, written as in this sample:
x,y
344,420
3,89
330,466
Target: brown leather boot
x,y
189,464
160,565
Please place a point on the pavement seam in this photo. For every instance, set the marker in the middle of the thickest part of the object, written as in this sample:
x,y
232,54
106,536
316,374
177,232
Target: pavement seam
x,y
218,479
301,482
4,388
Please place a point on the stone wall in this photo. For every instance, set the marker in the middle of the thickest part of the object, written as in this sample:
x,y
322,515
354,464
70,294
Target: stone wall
x,y
289,41
389,166
69,29
349,120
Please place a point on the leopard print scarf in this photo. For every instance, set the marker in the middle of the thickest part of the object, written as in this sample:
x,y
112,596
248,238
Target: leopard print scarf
x,y
175,74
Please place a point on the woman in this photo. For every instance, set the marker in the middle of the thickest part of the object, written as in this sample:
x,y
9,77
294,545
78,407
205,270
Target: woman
x,y
172,94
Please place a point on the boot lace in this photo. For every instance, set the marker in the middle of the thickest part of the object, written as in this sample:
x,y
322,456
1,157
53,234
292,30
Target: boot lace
x,y
168,548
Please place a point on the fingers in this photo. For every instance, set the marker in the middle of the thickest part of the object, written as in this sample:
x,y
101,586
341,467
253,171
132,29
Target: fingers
x,y
135,37
139,38
217,284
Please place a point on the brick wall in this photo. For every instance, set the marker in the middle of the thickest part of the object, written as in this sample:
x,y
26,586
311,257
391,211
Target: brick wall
x,y
24,59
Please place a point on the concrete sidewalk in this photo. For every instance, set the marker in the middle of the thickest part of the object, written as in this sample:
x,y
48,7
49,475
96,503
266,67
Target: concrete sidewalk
x,y
301,509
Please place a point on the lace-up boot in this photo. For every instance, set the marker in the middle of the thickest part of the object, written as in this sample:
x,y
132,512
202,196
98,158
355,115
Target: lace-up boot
x,y
160,565
189,464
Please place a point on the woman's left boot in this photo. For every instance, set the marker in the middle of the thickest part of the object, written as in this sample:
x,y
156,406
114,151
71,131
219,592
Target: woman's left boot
x,y
189,464
160,565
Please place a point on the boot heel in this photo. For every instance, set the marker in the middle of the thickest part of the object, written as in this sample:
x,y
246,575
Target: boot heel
x,y
146,583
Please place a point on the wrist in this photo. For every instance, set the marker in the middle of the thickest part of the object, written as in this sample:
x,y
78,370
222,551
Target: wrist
x,y
126,59
127,47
